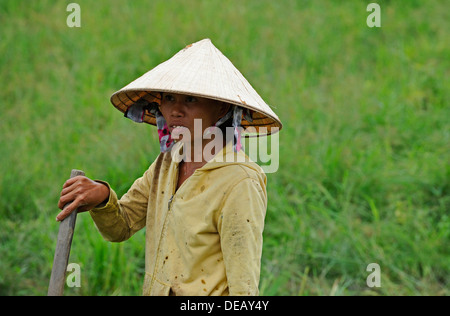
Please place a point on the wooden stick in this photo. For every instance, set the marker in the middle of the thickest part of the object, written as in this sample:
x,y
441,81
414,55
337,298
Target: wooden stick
x,y
62,252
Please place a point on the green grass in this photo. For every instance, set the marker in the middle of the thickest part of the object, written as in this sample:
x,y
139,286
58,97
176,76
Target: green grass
x,y
364,154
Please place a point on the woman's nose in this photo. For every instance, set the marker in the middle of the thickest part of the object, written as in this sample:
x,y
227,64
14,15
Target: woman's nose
x,y
176,109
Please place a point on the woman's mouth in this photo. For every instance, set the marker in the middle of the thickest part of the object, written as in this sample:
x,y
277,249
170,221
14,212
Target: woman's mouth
x,y
177,131
176,127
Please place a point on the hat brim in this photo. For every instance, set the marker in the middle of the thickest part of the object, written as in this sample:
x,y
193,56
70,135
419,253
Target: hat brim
x,y
261,125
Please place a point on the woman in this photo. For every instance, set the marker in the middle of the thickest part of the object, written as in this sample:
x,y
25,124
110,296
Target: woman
x,y
203,206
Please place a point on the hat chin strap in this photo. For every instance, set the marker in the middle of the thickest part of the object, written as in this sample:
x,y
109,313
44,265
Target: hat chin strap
x,y
165,138
235,112
237,119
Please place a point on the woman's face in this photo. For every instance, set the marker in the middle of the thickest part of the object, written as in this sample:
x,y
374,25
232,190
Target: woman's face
x,y
180,110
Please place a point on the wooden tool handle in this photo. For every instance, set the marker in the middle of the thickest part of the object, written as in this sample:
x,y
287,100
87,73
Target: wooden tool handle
x,y
62,252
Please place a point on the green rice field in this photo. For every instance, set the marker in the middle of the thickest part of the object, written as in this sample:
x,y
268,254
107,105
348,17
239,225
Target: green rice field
x,y
364,153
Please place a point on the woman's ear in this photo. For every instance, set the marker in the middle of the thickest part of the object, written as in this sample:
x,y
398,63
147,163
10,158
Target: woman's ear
x,y
224,108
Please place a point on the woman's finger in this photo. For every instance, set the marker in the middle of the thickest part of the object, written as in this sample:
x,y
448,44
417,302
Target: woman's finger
x,y
68,210
72,181
64,199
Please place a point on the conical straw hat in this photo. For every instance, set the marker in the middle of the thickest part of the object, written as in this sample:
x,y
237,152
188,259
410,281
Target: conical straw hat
x,y
199,69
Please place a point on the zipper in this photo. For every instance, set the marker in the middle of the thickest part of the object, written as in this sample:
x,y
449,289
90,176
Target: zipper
x,y
174,185
162,231
170,202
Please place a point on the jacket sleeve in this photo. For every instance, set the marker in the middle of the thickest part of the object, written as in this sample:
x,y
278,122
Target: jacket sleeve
x,y
240,225
118,220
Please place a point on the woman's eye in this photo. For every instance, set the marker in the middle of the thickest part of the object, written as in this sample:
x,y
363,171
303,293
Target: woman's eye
x,y
190,99
169,97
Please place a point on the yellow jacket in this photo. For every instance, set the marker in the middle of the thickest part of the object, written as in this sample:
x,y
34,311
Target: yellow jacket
x,y
203,239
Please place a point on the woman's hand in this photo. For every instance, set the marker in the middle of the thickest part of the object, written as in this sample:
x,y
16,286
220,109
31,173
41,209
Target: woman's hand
x,y
84,193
